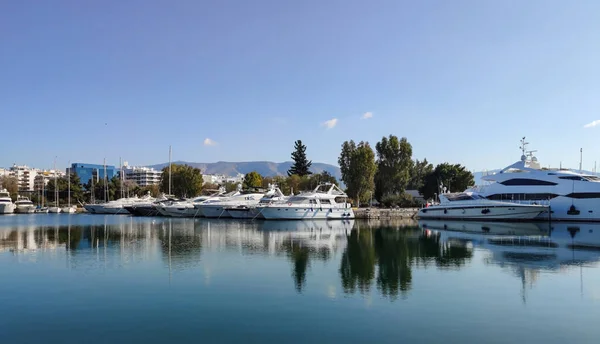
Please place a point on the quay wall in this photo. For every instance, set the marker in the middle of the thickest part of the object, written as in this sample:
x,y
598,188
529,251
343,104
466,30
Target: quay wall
x,y
375,213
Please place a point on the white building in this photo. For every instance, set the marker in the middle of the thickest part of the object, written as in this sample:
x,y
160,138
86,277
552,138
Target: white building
x,y
143,176
221,179
25,176
45,177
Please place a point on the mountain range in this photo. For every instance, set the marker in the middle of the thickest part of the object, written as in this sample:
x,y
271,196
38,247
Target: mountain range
x,y
265,168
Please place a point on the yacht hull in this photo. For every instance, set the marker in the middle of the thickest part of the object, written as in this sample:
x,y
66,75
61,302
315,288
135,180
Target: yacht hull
x,y
143,210
483,213
180,212
114,211
25,209
302,213
54,210
69,210
7,208
240,213
214,211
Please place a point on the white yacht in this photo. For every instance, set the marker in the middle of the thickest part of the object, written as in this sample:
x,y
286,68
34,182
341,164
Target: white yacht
x,y
24,205
572,196
251,211
317,204
471,206
182,208
116,207
6,204
216,207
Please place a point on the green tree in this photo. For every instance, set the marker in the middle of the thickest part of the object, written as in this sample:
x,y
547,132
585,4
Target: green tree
x,y
186,181
394,166
418,173
454,177
63,190
301,165
230,186
357,163
11,184
252,180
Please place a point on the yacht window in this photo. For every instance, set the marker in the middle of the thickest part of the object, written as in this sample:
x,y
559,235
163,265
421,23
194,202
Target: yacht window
x,y
584,195
523,181
325,201
522,197
592,178
458,197
571,178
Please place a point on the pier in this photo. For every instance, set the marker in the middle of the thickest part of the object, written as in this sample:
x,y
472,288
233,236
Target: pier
x,y
376,213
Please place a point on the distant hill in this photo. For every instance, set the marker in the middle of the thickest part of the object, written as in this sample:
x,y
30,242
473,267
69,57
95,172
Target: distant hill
x,y
265,168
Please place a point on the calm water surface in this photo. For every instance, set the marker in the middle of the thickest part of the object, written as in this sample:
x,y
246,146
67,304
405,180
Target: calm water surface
x,y
99,279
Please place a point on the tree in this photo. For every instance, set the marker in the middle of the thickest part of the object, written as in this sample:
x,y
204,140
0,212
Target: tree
x,y
418,173
454,177
62,184
252,180
186,181
301,164
11,184
357,163
394,166
311,182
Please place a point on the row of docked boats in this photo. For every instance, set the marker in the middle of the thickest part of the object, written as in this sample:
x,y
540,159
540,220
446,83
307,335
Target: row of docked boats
x,y
23,205
326,201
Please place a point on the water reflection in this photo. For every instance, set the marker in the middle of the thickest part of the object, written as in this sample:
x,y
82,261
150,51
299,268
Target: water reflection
x,y
369,256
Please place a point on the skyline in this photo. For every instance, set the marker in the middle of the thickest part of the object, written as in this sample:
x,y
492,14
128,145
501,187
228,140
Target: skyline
x,y
234,81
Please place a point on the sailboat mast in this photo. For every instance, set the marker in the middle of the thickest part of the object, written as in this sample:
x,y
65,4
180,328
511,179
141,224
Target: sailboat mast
x,y
121,174
169,169
69,186
55,184
105,183
580,159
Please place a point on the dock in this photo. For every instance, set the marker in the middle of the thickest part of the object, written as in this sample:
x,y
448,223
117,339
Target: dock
x,y
377,213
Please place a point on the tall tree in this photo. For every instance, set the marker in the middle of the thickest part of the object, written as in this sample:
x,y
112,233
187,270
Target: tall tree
x,y
186,180
454,177
357,164
301,164
394,165
252,180
11,184
419,171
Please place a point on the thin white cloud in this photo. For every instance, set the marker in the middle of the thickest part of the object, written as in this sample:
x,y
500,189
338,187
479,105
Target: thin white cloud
x,y
367,115
209,142
330,123
592,124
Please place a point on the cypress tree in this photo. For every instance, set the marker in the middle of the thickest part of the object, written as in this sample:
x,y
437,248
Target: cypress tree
x,y
301,166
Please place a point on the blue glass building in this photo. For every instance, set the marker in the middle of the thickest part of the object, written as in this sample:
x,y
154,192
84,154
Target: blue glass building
x,y
85,172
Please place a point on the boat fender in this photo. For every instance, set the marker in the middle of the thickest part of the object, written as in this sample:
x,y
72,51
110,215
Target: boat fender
x,y
445,211
289,204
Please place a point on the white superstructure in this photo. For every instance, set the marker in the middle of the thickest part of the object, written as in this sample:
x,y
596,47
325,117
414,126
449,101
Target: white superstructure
x,y
6,204
24,205
317,204
216,207
246,211
572,196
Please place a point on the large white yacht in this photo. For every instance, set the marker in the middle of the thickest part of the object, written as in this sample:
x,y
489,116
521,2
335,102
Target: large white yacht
x,y
116,207
471,206
181,208
572,196
251,211
317,204
24,205
6,204
216,207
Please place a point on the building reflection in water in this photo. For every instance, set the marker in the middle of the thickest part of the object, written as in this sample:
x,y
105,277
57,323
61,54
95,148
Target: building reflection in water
x,y
372,255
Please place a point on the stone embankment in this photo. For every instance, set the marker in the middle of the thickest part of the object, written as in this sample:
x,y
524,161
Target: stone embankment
x,y
376,213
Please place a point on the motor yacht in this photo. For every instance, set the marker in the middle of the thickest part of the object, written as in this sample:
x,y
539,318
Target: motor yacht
x,y
215,207
24,205
471,206
571,196
321,203
182,208
6,204
250,211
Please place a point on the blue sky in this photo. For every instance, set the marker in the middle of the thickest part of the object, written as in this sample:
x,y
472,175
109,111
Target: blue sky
x,y
462,80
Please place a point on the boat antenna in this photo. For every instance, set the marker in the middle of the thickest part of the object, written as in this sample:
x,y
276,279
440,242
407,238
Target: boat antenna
x,y
523,146
580,159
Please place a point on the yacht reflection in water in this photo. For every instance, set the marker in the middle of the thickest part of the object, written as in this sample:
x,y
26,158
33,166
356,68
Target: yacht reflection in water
x,y
367,256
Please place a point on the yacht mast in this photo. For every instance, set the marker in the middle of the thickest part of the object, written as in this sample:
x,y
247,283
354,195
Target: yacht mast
x,y
121,174
580,159
169,169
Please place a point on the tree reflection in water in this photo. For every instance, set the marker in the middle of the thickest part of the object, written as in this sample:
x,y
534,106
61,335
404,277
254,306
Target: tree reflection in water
x,y
390,254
